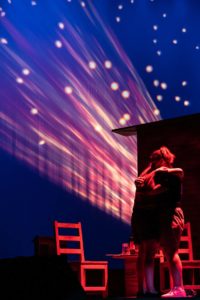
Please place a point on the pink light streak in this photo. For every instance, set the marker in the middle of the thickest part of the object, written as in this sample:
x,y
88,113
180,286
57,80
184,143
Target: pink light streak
x,y
80,151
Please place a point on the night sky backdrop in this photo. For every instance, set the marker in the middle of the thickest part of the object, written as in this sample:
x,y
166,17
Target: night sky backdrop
x,y
71,71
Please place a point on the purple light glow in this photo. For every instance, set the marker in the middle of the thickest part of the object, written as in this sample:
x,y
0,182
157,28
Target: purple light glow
x,y
58,118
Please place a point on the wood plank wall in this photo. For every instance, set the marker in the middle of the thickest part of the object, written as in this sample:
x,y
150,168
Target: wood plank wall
x,y
182,136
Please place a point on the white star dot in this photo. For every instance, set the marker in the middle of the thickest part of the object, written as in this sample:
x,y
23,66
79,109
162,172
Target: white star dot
x,y
163,85
122,121
118,19
184,30
159,52
61,25
127,117
175,42
82,3
58,44
108,64
177,98
164,15
184,83
159,97
34,111
41,142
98,128
92,65
3,14
197,47
149,69
26,71
132,1
4,41
186,103
156,112
33,3
114,86
155,27
156,83
19,80
120,6
155,41
68,90
125,94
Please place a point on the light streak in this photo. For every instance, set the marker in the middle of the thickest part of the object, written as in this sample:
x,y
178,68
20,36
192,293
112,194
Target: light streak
x,y
59,120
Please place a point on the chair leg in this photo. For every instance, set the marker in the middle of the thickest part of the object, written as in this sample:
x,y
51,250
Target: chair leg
x,y
170,281
193,279
83,277
105,294
162,278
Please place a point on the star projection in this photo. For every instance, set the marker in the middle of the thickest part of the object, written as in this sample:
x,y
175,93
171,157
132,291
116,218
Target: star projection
x,y
162,40
66,83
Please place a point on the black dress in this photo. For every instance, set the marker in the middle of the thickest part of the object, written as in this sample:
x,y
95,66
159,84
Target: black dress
x,y
158,216
145,218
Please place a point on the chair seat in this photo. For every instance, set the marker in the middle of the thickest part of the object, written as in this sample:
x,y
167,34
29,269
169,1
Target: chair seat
x,y
90,262
187,264
191,263
94,289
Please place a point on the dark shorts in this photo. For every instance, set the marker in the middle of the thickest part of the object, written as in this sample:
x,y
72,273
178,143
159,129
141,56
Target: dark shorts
x,y
151,224
171,229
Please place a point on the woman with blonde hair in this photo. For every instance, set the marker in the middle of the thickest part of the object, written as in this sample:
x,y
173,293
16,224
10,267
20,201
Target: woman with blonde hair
x,y
158,219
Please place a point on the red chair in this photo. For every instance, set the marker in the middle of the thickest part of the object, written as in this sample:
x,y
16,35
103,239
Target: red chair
x,y
191,267
70,242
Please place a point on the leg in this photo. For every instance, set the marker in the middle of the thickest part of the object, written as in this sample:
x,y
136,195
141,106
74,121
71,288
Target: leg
x,y
170,240
151,248
175,267
140,267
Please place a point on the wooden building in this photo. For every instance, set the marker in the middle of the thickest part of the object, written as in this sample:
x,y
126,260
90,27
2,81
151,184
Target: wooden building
x,y
182,136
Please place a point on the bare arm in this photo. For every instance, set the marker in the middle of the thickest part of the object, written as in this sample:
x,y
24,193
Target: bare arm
x,y
176,171
145,179
145,171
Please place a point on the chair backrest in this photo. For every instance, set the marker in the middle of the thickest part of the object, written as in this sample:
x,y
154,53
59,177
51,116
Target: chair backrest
x,y
69,239
185,249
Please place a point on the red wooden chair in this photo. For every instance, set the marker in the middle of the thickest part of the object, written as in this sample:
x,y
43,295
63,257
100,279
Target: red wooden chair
x,y
70,243
192,266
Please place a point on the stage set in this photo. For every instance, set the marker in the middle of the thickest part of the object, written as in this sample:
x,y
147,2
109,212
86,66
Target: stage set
x,y
89,89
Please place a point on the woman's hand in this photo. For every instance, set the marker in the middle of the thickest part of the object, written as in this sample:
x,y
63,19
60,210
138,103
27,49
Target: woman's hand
x,y
162,169
139,182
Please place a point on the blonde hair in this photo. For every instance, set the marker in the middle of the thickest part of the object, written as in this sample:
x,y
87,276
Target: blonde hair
x,y
165,154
